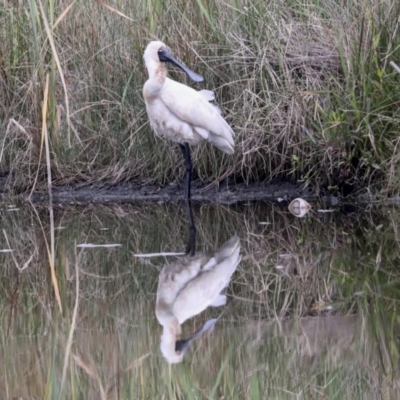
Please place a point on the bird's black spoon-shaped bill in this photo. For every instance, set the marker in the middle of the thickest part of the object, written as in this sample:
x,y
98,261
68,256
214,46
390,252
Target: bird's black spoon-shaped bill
x,y
182,345
165,55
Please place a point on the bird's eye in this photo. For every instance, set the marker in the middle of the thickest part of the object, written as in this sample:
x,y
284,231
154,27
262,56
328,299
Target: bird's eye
x,y
160,50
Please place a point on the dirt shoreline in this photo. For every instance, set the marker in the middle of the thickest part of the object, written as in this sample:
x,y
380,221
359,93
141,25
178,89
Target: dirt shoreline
x,y
222,194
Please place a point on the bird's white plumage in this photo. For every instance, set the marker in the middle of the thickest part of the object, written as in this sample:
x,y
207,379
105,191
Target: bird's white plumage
x,y
190,285
180,113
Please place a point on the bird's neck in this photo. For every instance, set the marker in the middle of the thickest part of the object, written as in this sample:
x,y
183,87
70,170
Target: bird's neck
x,y
157,71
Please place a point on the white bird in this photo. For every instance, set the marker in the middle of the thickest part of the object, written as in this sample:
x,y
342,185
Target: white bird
x,y
186,288
180,113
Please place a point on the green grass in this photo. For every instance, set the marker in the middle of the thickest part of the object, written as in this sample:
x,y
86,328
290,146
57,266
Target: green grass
x,y
306,85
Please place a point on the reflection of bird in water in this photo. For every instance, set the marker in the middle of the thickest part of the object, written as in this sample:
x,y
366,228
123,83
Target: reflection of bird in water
x,y
187,287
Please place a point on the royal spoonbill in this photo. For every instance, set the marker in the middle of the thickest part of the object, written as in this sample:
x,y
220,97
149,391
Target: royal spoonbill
x,y
187,287
180,113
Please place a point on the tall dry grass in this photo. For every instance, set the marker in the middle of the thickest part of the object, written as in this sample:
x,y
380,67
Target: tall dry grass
x,y
308,86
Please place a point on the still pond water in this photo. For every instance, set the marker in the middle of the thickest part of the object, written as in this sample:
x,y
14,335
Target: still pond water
x,y
311,311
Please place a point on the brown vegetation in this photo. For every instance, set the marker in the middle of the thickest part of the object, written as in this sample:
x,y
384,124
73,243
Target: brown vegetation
x,y
308,87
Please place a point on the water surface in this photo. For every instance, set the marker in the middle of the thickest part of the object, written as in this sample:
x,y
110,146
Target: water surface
x,y
311,311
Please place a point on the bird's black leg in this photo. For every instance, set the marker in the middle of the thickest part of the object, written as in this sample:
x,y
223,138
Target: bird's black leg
x,y
188,164
191,246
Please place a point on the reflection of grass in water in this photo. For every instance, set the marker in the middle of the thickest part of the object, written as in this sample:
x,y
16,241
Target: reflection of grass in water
x,y
326,262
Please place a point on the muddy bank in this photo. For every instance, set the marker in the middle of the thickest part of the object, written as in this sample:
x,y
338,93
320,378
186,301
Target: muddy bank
x,y
222,194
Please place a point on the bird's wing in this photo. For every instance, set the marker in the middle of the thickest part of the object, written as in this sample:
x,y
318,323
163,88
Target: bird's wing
x,y
207,94
205,288
194,108
176,275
